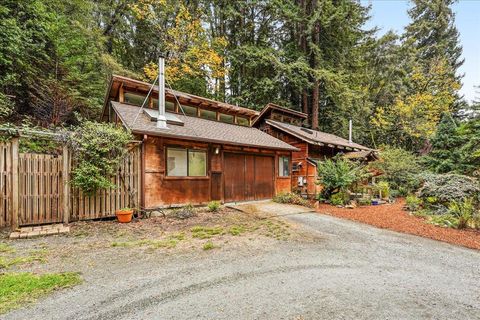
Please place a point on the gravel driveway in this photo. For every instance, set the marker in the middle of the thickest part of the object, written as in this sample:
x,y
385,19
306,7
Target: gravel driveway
x,y
353,271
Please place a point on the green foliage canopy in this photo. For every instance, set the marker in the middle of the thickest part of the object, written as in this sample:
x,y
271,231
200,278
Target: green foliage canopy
x,y
337,174
98,149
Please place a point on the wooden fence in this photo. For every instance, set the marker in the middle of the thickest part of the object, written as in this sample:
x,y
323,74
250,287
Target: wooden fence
x,y
35,188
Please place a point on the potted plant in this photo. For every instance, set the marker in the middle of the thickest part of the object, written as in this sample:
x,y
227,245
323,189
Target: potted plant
x,y
124,215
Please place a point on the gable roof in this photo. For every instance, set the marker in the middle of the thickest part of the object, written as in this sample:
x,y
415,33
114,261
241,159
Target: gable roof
x,y
271,106
198,129
184,98
316,137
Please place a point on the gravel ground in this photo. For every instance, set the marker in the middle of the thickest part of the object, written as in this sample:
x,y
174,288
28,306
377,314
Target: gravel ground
x,y
345,271
393,217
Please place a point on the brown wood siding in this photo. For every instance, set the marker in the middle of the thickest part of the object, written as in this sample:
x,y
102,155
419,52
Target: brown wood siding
x,y
306,169
161,190
224,180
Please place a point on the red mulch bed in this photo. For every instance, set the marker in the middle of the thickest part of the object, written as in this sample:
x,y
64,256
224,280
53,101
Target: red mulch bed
x,y
393,217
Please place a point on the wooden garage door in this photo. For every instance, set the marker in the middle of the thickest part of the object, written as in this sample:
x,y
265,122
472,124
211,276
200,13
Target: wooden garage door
x,y
248,177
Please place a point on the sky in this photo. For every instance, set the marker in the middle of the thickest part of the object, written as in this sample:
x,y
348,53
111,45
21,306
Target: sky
x,y
392,15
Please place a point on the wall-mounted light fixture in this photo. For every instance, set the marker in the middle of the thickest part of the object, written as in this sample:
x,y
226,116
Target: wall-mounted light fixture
x,y
217,150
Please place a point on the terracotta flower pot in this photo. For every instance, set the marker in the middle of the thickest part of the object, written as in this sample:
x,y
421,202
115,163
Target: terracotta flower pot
x,y
124,215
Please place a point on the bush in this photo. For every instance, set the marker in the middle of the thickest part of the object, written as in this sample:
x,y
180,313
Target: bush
x,y
413,203
444,220
338,174
340,199
384,188
213,206
364,202
292,198
464,211
441,189
98,149
399,168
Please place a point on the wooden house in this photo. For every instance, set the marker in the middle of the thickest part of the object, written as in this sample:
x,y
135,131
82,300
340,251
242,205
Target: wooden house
x,y
194,149
312,145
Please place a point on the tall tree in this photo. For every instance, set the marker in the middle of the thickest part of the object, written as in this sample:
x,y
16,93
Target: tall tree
x,y
432,32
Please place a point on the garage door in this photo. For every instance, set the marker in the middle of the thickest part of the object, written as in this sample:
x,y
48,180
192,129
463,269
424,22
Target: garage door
x,y
248,177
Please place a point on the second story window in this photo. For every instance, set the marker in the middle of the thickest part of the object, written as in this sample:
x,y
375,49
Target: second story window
x,y
243,121
226,118
189,111
169,106
207,114
134,98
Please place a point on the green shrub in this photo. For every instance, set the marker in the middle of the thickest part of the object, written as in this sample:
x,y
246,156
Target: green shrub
x,y
338,174
364,202
213,206
464,211
399,168
444,220
413,203
292,198
384,188
98,149
439,190
340,199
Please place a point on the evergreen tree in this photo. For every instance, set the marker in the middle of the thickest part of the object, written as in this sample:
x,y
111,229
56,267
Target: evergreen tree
x,y
445,155
432,32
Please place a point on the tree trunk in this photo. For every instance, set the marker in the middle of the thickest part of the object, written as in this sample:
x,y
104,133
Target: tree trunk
x,y
316,86
315,102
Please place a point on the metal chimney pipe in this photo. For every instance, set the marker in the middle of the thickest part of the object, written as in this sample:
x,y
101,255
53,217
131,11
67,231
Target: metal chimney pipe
x,y
161,119
350,131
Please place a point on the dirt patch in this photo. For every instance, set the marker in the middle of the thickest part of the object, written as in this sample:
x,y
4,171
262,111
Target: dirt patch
x,y
94,243
393,217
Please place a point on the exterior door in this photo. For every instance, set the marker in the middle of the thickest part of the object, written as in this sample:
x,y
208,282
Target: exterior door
x,y
248,177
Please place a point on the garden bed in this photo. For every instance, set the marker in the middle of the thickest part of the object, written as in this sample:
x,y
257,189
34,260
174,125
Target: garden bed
x,y
393,217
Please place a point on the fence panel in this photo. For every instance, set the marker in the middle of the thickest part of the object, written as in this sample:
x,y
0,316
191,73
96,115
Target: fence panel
x,y
104,203
40,189
5,183
39,180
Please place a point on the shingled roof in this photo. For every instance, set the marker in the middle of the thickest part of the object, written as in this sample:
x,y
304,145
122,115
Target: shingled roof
x,y
198,129
315,137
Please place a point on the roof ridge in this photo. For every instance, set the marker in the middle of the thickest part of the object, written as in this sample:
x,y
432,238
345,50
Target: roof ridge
x,y
341,141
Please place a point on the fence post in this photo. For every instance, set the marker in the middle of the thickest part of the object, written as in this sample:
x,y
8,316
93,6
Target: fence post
x,y
66,185
15,182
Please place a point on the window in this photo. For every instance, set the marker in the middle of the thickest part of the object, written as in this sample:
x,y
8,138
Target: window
x,y
169,106
226,118
283,166
197,163
189,111
133,98
186,163
177,162
207,114
243,121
